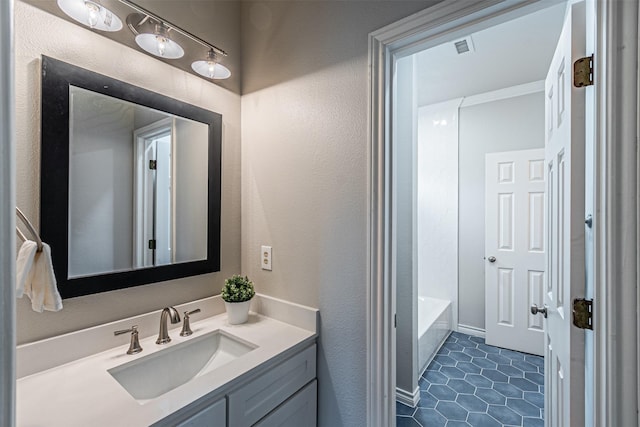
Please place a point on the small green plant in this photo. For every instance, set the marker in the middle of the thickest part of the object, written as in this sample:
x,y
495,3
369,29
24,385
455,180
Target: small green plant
x,y
238,289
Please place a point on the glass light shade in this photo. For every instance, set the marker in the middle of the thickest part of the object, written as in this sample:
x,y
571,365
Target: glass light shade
x,y
211,69
160,45
92,14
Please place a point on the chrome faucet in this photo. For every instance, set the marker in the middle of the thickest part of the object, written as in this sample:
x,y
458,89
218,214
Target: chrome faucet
x,y
163,336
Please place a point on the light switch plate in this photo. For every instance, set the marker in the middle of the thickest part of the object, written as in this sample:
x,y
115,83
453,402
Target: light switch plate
x,y
265,258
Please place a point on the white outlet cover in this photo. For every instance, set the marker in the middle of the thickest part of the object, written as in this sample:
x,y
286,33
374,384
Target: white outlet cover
x,y
265,258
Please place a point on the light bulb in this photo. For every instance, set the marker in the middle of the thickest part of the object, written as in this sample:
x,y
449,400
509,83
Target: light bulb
x,y
162,45
212,69
93,13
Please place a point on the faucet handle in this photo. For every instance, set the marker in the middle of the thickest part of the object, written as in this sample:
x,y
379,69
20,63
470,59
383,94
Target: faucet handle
x,y
134,346
186,327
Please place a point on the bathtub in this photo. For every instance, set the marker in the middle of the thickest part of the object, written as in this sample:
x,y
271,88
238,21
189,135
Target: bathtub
x,y
434,325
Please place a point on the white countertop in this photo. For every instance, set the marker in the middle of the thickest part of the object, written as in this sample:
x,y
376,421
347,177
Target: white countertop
x,y
82,392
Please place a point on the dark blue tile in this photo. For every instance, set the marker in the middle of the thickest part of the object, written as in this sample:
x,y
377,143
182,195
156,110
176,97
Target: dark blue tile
x,y
482,420
452,372
499,359
427,400
445,360
423,384
523,408
484,363
534,398
402,409
471,403
443,392
434,366
467,343
459,356
513,355
468,367
457,424
435,377
455,335
507,390
523,384
478,340
535,377
452,346
491,396
494,375
489,348
524,366
406,422
461,386
533,422
510,370
475,352
443,351
504,415
452,411
429,417
535,360
479,381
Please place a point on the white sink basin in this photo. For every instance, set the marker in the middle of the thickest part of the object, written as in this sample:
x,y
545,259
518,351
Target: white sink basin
x,y
151,376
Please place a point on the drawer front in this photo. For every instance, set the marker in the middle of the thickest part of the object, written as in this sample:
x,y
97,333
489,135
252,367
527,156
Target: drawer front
x,y
259,397
213,416
298,411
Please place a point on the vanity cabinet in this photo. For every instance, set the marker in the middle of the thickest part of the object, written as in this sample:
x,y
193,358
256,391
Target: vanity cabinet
x,y
285,395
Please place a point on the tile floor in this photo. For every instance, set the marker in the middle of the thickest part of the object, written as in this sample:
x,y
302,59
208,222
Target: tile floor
x,y
470,383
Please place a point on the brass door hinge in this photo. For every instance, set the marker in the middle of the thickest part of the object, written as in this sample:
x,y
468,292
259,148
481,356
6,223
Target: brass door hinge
x,y
583,313
583,72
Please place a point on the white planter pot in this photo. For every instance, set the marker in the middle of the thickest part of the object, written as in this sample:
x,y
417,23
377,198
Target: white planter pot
x,y
237,312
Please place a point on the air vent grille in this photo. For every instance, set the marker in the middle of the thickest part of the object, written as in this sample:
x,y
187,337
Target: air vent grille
x,y
464,46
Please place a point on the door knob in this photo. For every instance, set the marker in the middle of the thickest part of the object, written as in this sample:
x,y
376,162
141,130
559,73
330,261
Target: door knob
x,y
535,310
491,259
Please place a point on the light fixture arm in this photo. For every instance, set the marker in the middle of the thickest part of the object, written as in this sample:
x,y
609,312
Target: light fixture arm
x,y
173,27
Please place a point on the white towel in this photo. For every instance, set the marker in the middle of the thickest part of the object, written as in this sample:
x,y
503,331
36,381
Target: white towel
x,y
40,285
24,266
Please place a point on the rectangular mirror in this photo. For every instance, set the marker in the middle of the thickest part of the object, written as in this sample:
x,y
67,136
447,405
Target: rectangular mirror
x,y
130,183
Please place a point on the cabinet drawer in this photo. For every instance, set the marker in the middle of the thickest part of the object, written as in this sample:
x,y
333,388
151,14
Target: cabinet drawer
x,y
256,399
298,411
212,416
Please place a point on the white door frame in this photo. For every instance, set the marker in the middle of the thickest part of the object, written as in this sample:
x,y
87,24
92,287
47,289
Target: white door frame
x,y
616,219
7,220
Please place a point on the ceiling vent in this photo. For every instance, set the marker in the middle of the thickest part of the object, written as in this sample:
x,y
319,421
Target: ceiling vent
x,y
464,46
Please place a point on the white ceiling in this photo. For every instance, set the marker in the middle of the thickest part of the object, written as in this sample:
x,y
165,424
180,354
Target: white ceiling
x,y
508,54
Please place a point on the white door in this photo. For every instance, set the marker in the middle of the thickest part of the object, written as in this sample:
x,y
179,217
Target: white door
x,y
514,249
565,168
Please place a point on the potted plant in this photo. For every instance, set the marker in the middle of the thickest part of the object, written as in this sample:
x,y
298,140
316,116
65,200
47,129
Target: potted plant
x,y
237,293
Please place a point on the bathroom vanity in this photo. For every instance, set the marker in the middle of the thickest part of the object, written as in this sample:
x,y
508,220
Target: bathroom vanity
x,y
261,373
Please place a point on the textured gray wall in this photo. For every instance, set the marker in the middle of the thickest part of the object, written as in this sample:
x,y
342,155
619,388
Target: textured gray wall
x,y
304,173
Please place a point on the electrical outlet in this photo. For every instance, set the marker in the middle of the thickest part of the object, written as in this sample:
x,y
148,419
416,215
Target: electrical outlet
x,y
265,258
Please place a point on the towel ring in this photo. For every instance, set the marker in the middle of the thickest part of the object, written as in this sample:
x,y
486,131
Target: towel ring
x,y
32,230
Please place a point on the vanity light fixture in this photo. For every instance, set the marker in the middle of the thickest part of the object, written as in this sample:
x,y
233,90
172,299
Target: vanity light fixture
x,y
159,43
210,67
92,14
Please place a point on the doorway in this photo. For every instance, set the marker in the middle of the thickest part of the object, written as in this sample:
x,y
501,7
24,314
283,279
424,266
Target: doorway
x,y
396,42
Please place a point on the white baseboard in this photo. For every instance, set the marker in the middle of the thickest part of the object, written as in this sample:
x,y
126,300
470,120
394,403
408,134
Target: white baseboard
x,y
471,330
409,399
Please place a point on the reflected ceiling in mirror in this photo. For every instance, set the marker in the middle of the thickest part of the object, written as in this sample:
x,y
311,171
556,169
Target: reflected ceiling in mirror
x,y
130,185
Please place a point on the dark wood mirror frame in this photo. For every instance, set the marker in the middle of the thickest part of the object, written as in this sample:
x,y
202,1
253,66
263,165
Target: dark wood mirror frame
x,y
54,187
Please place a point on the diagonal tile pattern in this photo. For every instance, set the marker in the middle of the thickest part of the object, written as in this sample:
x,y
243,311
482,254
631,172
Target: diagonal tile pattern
x,y
470,383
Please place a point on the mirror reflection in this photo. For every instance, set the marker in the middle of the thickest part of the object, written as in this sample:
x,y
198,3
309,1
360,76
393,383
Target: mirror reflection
x,y
137,186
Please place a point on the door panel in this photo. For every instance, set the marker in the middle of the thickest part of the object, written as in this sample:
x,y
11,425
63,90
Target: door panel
x,y
564,159
515,236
